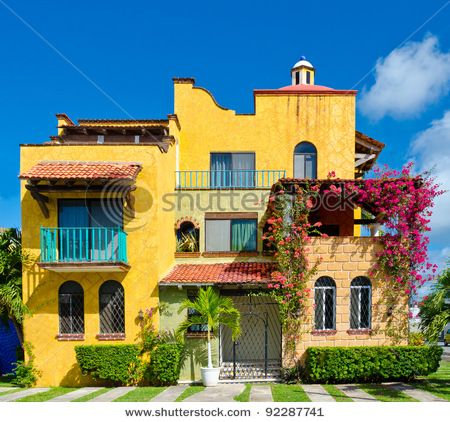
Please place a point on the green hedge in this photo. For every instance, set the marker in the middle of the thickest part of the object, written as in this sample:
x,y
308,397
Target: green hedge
x,y
165,364
370,364
115,363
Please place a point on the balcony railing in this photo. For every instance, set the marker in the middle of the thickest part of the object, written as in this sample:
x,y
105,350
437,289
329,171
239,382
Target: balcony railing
x,y
228,179
83,245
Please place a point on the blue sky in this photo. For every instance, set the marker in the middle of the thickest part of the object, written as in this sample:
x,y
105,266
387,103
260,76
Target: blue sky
x,y
133,49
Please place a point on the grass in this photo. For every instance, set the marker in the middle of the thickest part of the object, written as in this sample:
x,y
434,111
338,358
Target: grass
x,y
5,381
245,395
283,392
190,391
12,391
384,393
437,383
92,395
337,394
141,394
47,395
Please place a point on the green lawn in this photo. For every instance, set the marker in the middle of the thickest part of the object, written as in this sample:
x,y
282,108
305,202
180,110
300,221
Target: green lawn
x,y
245,395
437,383
141,394
191,390
92,395
5,381
47,395
337,394
283,392
11,391
384,393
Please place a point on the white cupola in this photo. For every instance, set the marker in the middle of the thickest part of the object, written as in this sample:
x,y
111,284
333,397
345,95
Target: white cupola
x,y
302,72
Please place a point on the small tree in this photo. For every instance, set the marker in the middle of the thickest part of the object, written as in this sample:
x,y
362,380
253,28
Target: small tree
x,y
434,311
11,261
211,310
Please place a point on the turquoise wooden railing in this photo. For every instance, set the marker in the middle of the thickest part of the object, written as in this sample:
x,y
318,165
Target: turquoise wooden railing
x,y
223,179
83,244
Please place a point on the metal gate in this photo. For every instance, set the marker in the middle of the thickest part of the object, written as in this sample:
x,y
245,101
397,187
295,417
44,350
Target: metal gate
x,y
257,352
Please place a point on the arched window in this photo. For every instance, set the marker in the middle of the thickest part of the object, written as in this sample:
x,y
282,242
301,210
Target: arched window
x,y
112,308
71,308
325,304
305,161
188,237
360,303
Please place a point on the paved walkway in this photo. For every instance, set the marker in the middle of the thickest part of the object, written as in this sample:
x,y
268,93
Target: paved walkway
x,y
355,393
76,394
4,389
222,392
113,394
21,394
316,392
415,393
170,394
261,393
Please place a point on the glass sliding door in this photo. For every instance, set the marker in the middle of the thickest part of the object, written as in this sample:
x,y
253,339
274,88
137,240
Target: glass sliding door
x,y
232,170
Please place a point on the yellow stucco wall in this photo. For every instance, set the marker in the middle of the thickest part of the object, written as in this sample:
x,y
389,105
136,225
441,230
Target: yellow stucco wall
x,y
147,245
280,122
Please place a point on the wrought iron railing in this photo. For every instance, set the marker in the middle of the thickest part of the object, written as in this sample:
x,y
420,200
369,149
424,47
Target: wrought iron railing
x,y
83,244
225,179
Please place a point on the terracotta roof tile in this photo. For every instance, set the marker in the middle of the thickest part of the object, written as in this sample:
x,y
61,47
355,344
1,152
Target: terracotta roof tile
x,y
82,170
232,273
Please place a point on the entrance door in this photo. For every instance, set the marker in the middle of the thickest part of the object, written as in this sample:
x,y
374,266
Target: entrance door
x,y
257,352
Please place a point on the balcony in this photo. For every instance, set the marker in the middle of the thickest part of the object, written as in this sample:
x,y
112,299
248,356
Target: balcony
x,y
228,179
84,249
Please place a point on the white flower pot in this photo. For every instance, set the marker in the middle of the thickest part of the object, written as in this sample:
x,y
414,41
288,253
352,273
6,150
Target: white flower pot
x,y
210,376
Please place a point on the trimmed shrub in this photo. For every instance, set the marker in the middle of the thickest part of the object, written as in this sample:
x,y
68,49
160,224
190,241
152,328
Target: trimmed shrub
x,y
370,364
165,364
114,363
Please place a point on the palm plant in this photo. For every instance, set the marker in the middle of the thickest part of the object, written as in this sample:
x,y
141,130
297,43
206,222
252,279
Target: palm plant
x,y
187,243
11,260
435,310
212,310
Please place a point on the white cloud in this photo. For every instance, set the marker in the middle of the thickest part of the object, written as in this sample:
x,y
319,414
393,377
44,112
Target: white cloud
x,y
407,80
431,148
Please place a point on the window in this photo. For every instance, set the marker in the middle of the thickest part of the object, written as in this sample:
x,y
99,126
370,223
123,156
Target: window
x,y
360,303
305,161
112,308
308,77
225,235
233,170
325,304
297,78
71,308
85,245
199,328
187,237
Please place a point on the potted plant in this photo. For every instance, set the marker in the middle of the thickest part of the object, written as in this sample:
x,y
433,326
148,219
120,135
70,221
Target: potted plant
x,y
212,310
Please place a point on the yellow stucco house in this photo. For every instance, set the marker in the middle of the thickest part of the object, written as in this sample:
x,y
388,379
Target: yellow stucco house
x,y
124,215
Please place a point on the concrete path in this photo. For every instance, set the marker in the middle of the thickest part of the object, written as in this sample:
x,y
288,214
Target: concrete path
x,y
113,394
22,394
4,389
76,394
316,392
222,392
355,393
261,393
170,394
415,393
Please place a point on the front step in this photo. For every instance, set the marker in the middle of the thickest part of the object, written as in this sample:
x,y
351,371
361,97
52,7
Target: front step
x,y
251,371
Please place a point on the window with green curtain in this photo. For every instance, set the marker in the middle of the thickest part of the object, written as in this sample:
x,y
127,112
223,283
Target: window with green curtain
x,y
243,235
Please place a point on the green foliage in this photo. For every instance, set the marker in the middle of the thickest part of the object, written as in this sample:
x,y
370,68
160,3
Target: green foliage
x,y
165,364
25,373
187,243
117,364
434,312
416,339
370,364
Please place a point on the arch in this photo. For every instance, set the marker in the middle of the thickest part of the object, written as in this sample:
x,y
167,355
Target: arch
x,y
112,307
325,304
305,161
71,308
188,236
360,303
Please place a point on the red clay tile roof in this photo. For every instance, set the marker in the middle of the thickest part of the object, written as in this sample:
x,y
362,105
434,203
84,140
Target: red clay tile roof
x,y
233,273
82,170
306,89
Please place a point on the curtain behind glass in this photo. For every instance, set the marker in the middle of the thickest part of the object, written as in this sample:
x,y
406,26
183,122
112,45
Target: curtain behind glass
x,y
217,234
220,170
243,235
243,165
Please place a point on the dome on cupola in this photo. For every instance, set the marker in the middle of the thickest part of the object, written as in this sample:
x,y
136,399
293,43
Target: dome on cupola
x,y
302,72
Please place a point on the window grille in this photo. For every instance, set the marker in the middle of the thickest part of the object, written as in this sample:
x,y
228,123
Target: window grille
x,y
71,308
112,308
360,303
325,304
